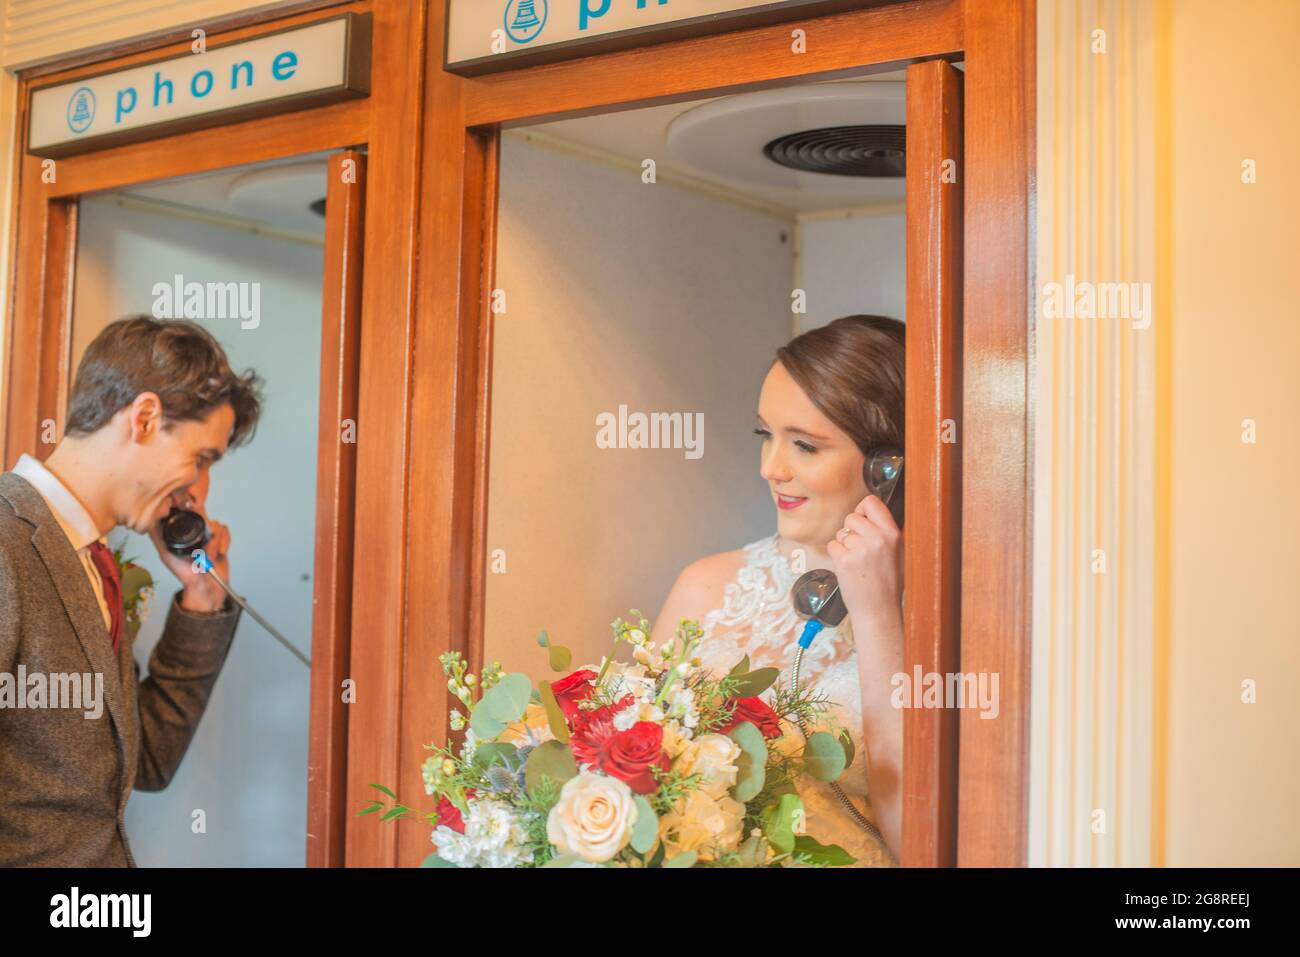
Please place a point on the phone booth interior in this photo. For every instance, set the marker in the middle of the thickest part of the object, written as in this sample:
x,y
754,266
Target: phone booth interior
x,y
527,266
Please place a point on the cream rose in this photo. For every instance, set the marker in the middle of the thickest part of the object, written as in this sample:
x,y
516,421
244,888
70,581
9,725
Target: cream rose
x,y
593,818
676,740
708,825
714,757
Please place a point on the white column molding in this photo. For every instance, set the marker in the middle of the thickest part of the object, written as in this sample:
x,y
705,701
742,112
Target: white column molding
x,y
1094,460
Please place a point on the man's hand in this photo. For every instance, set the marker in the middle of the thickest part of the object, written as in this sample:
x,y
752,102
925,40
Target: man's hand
x,y
201,592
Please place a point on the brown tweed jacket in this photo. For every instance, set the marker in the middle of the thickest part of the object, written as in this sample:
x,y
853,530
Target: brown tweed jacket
x,y
65,778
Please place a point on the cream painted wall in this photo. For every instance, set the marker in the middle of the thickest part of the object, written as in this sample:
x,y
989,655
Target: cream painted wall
x,y
1234,768
619,292
1165,545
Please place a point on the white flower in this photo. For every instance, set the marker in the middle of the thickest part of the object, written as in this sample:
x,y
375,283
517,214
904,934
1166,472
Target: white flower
x,y
644,711
593,818
644,655
680,703
708,825
470,746
626,676
494,837
714,757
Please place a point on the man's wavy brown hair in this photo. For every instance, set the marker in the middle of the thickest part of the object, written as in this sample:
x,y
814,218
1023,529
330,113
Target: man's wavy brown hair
x,y
177,360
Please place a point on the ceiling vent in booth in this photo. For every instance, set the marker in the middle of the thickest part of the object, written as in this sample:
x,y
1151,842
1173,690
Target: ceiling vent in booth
x,y
843,150
832,137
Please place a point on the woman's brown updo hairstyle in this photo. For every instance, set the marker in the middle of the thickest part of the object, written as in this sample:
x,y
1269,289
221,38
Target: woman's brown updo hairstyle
x,y
852,371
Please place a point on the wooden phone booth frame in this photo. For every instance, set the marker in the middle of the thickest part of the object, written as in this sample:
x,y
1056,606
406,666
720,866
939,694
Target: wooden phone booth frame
x,y
401,516
373,166
969,504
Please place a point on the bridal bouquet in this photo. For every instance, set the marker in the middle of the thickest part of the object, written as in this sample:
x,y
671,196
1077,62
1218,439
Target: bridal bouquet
x,y
649,763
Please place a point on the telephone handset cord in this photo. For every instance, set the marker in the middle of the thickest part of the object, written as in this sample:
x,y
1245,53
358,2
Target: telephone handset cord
x,y
810,631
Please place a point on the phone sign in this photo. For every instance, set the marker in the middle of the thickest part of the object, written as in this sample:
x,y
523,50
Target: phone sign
x,y
277,72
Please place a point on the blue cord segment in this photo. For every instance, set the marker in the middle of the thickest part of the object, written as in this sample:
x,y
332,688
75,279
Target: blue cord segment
x,y
810,631
203,560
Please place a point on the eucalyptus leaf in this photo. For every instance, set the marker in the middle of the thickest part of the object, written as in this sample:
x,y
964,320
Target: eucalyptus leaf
x,y
495,752
752,763
742,667
484,726
686,859
507,700
780,824
551,759
829,854
823,757
561,658
554,713
544,639
433,860
646,829
754,683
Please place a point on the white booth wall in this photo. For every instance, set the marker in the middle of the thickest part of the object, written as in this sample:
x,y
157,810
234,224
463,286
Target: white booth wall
x,y
663,299
246,768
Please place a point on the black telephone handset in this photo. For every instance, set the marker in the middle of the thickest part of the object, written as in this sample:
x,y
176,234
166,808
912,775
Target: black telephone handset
x,y
883,473
183,531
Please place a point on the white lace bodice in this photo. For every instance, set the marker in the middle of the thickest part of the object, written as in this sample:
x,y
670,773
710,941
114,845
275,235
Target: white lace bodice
x,y
757,618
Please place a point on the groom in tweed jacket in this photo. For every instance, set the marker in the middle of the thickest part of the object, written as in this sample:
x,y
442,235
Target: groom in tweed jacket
x,y
154,405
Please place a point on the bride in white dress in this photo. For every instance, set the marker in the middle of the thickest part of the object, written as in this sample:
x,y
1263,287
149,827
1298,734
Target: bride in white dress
x,y
832,394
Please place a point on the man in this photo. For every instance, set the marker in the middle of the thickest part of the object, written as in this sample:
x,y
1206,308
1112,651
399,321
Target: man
x,y
154,405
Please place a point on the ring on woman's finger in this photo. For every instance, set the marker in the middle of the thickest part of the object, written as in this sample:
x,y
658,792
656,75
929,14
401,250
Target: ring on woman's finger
x,y
842,533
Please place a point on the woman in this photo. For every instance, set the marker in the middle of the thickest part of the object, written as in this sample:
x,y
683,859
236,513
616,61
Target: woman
x,y
832,394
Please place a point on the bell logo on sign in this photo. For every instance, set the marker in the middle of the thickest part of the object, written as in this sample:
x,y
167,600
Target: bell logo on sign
x,y
81,110
525,19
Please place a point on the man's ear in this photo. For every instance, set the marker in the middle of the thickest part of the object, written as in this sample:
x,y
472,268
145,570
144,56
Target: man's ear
x,y
144,417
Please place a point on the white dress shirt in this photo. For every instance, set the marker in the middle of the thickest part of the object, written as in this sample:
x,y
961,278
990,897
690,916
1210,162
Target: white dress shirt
x,y
73,519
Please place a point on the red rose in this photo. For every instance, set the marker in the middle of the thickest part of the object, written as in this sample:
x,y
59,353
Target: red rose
x,y
756,711
605,712
449,814
627,755
571,689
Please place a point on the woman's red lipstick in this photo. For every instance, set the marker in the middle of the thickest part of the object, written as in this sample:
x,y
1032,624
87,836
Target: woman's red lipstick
x,y
789,501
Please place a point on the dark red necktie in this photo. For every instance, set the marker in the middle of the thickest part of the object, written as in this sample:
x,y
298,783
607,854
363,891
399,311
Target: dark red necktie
x,y
108,573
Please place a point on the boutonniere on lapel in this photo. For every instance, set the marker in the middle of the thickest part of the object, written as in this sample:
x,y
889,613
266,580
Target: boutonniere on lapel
x,y
137,592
